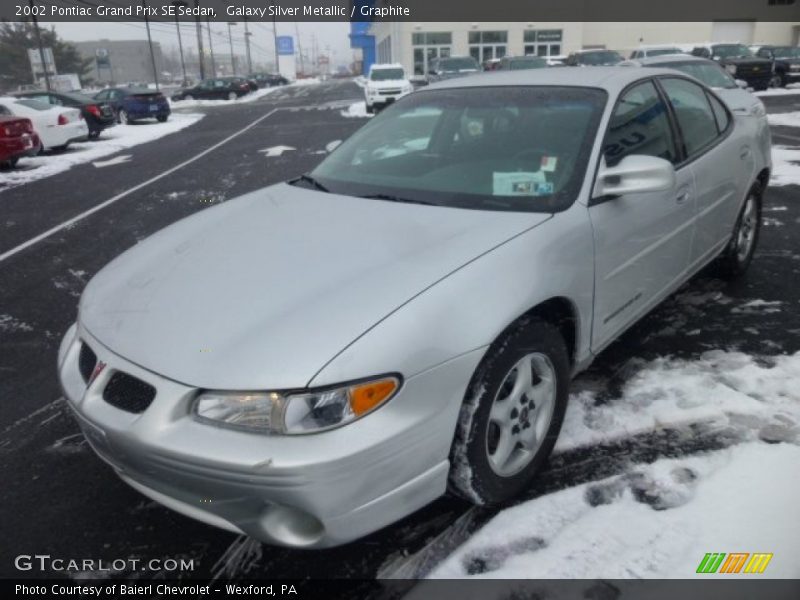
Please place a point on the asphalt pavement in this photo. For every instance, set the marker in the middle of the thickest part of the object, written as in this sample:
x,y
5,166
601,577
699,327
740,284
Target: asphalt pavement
x,y
60,499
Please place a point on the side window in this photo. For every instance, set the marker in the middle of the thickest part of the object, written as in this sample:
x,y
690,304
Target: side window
x,y
639,125
101,95
694,114
720,114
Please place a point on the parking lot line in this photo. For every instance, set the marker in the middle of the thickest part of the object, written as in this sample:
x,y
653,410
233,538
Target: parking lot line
x,y
42,236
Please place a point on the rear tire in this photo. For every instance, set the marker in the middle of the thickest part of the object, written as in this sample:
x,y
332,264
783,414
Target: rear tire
x,y
232,96
738,254
512,413
188,97
162,118
776,81
124,117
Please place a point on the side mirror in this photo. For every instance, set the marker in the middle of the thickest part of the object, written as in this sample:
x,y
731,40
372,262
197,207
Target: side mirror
x,y
741,83
635,174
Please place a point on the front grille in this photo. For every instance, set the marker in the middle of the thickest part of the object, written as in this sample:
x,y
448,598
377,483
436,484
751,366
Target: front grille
x,y
389,92
128,393
87,360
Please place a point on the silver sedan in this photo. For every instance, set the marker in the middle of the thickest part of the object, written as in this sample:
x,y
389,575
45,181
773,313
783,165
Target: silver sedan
x,y
317,359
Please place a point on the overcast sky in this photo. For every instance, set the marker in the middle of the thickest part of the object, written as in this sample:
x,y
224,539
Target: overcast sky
x,y
329,34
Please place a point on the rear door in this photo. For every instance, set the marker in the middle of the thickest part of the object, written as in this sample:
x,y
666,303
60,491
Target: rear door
x,y
721,163
642,241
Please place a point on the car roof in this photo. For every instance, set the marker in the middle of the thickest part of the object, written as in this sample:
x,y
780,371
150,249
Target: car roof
x,y
612,79
670,58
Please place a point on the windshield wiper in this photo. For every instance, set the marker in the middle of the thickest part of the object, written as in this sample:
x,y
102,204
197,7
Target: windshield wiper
x,y
393,198
310,180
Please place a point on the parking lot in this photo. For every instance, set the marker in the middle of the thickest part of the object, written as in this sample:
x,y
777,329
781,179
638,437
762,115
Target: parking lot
x,y
59,230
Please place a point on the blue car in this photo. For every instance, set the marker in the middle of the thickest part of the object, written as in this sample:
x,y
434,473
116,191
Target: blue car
x,y
132,104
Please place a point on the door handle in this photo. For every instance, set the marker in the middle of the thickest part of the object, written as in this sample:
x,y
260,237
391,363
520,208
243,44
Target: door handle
x,y
682,196
744,154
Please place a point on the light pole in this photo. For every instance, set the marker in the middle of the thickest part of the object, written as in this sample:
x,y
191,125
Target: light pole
x,y
41,48
176,4
299,47
211,48
200,52
150,44
247,35
275,40
230,40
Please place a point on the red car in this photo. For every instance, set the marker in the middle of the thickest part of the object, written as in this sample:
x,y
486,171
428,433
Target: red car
x,y
17,139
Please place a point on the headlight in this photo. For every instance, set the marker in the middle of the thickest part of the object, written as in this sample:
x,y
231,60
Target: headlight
x,y
295,413
731,69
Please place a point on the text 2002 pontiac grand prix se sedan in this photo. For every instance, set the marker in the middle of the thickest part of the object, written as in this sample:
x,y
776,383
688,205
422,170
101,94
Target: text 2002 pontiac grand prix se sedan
x,y
317,359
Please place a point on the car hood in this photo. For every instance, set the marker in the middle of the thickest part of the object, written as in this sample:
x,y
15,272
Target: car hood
x,y
262,291
388,83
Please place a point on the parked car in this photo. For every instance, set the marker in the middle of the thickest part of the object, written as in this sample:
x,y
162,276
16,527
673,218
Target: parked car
x,y
739,62
651,51
519,63
385,84
584,196
742,103
56,126
452,66
219,88
98,115
17,139
132,104
593,58
785,63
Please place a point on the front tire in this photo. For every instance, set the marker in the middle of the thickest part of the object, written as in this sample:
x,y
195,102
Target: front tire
x,y
370,109
232,96
162,118
738,254
124,117
512,413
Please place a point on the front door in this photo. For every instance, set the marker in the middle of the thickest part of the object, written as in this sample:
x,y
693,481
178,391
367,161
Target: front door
x,y
642,241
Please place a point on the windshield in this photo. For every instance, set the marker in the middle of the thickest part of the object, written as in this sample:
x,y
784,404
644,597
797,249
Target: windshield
x,y
603,57
663,51
732,51
711,74
386,74
787,52
527,63
458,64
489,148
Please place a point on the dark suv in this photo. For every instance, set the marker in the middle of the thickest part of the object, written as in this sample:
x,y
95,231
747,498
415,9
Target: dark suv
x,y
594,58
785,63
739,62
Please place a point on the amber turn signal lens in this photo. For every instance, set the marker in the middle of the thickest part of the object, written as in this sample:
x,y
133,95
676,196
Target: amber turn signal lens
x,y
365,397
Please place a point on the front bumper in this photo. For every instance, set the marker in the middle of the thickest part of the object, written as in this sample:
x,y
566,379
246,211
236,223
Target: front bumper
x,y
384,99
313,490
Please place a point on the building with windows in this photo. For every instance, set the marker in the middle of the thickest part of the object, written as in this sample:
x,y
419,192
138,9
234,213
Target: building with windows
x,y
120,61
415,45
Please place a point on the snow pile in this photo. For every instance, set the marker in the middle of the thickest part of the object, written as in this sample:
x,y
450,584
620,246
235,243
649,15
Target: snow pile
x,y
306,81
356,110
655,521
785,166
111,140
673,392
792,88
658,520
789,119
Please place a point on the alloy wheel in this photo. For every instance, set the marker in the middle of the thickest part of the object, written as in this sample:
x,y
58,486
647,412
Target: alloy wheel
x,y
747,229
521,414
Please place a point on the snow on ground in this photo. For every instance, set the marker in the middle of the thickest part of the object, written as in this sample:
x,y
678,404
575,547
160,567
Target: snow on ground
x,y
112,140
658,520
672,391
790,119
792,88
356,110
785,166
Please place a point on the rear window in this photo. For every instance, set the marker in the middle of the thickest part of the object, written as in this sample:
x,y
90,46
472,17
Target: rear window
x,y
34,104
